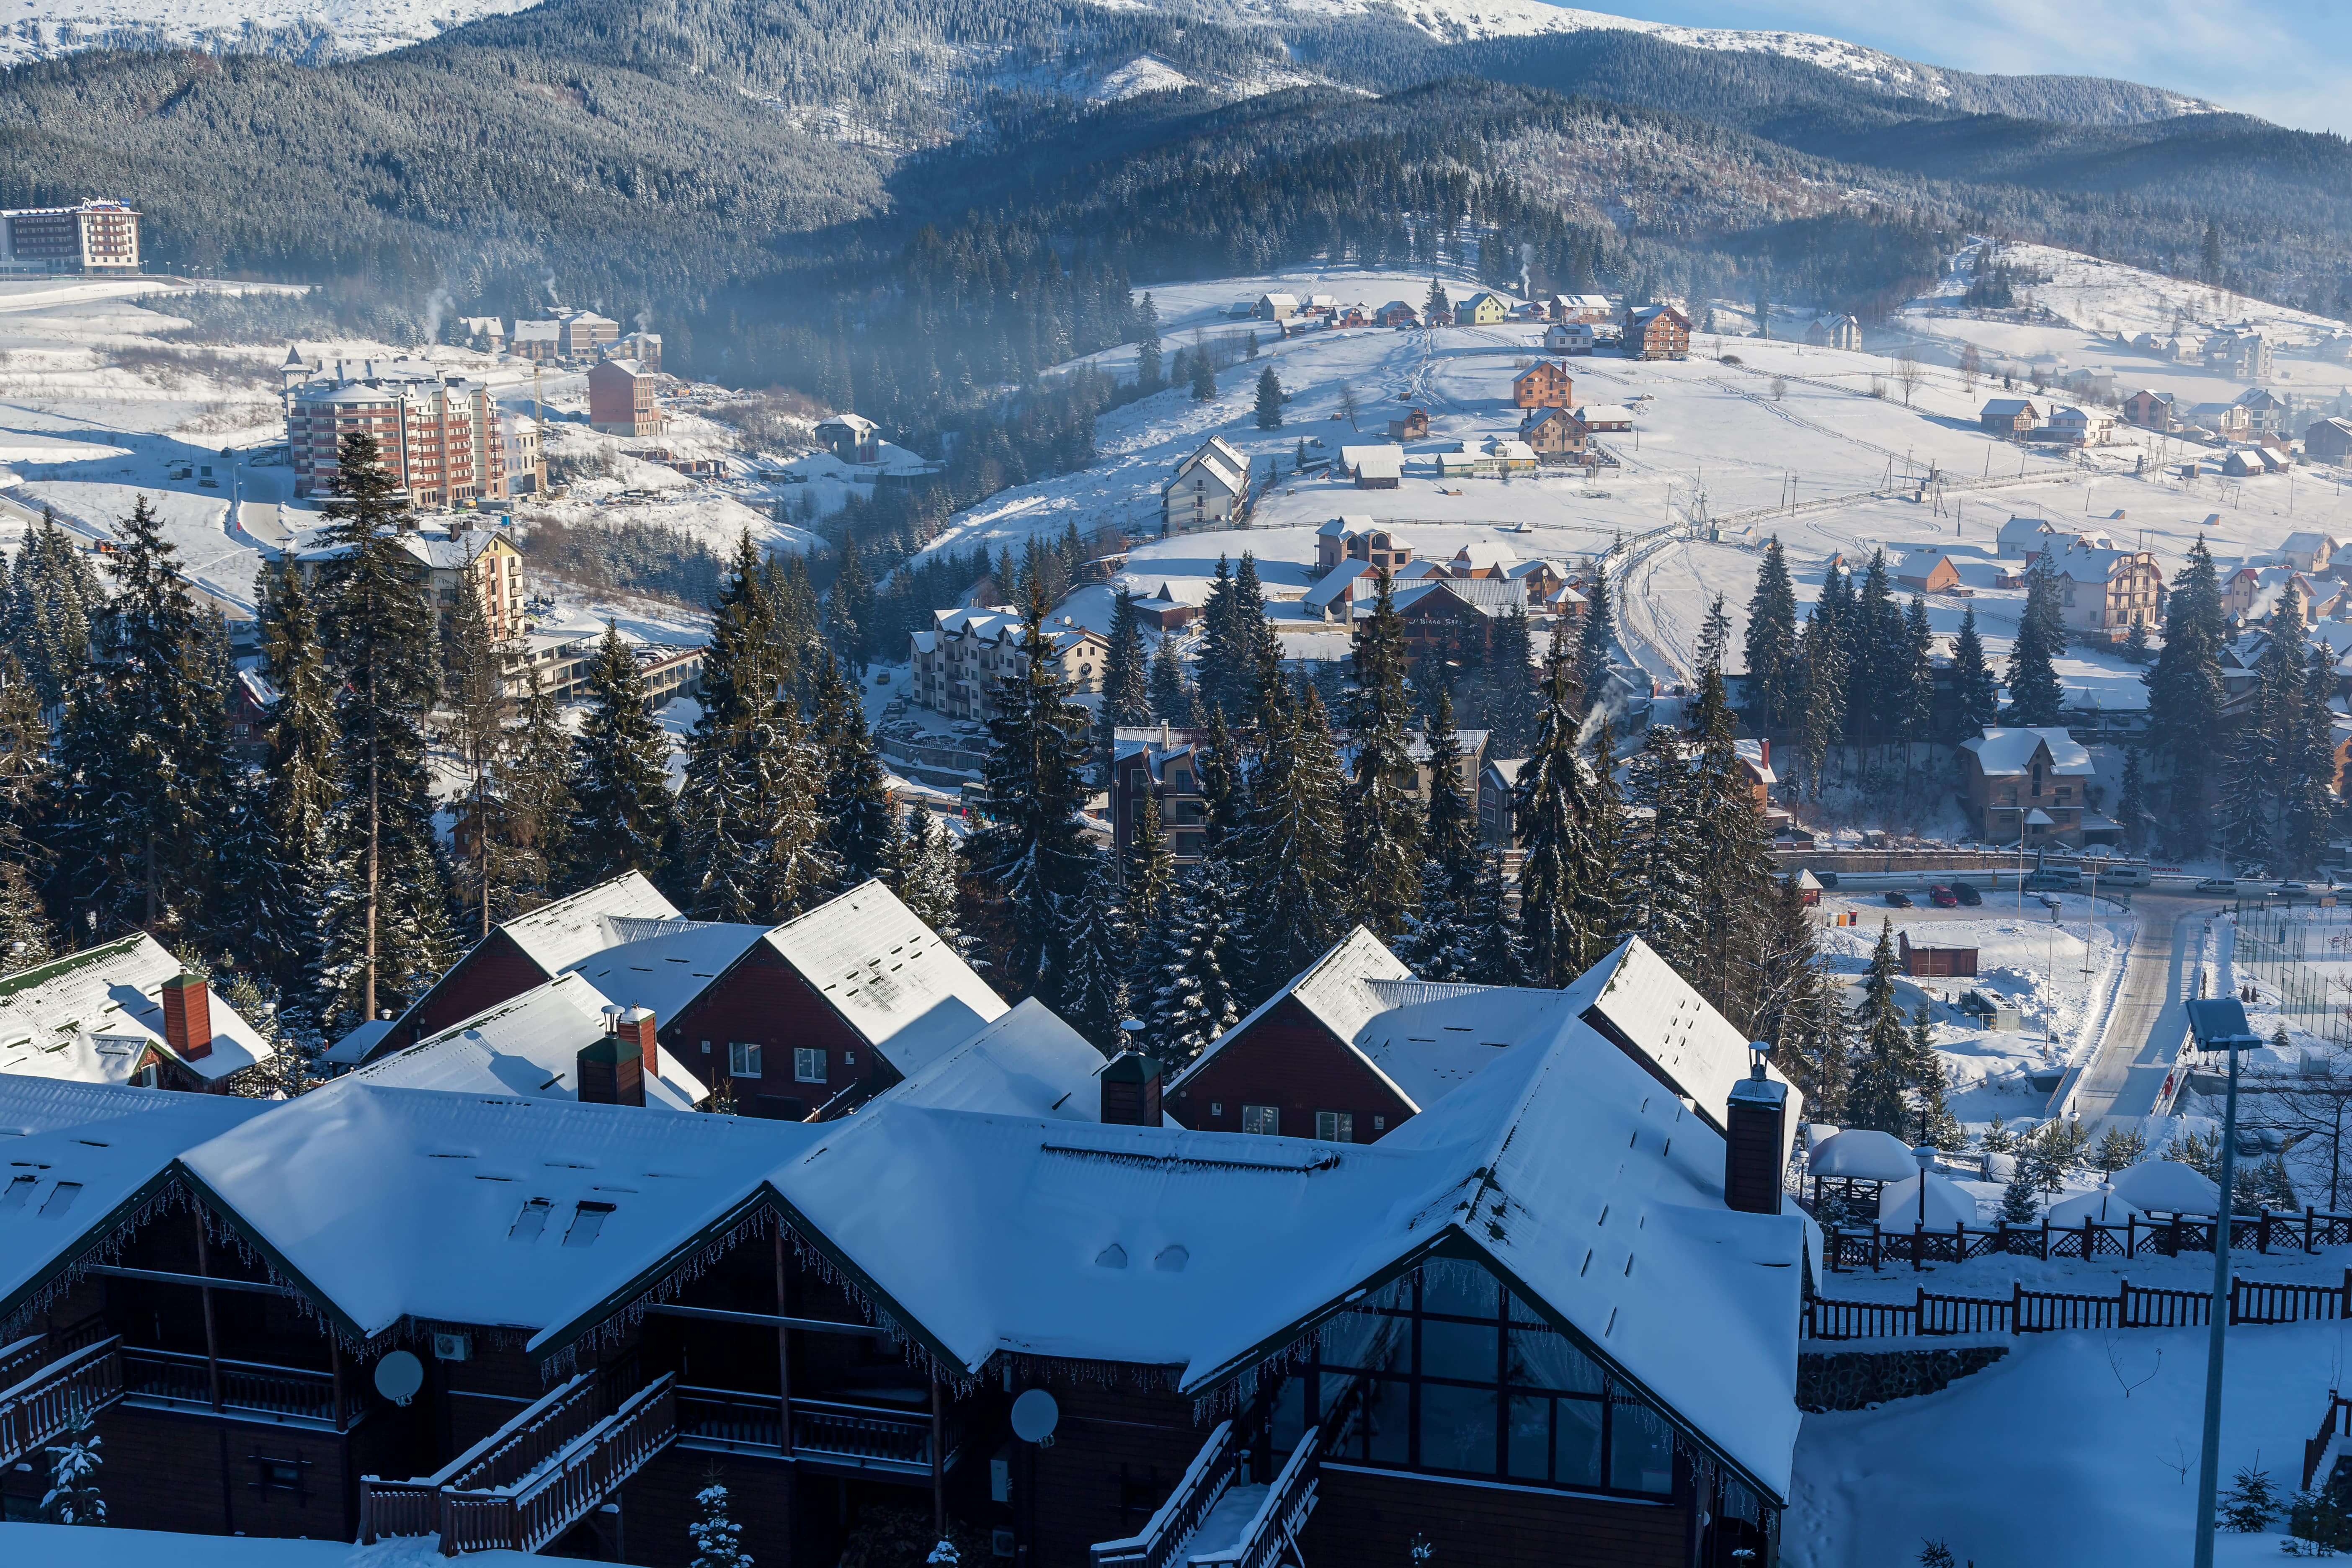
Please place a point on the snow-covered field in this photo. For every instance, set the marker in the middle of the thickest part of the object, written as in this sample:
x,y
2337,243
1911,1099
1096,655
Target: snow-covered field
x,y
2075,1448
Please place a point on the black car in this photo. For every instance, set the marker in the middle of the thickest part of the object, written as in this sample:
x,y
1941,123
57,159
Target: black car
x,y
1967,894
1896,899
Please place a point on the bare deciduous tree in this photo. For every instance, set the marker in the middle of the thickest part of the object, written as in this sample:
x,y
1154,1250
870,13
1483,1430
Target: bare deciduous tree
x,y
1971,367
1908,374
2312,1106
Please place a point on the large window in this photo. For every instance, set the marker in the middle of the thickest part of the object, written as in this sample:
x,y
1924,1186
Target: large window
x,y
1462,1378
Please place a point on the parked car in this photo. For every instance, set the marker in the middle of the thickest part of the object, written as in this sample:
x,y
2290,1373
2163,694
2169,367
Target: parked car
x,y
2049,881
1898,899
1967,893
2217,885
1943,898
2048,901
2294,889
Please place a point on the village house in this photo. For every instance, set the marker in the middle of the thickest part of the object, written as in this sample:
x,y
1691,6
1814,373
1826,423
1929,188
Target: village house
x,y
2152,410
1397,313
562,1040
1499,785
1590,309
124,1012
2228,420
485,332
1345,539
1605,418
1411,428
2329,441
2033,783
2104,592
2253,594
642,346
1656,331
1842,332
585,333
1209,488
2009,417
1556,436
2309,552
1446,616
1275,306
1373,468
2243,355
967,652
1160,763
1926,572
2253,462
2266,412
2079,426
1543,384
1569,338
1482,310
852,437
1172,605
2026,537
541,342
621,400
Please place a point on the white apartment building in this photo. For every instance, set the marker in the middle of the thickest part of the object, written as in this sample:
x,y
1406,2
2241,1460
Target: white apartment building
x,y
958,661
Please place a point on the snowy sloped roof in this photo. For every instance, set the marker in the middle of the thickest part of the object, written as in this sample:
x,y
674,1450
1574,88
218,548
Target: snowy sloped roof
x,y
669,968
2167,1186
1899,1204
1210,1251
1641,1001
1862,1154
892,978
2004,752
2100,1208
1374,462
354,1047
393,1203
527,1045
74,1156
567,931
92,1016
1027,1063
1752,754
1218,455
1336,990
1430,1040
1340,582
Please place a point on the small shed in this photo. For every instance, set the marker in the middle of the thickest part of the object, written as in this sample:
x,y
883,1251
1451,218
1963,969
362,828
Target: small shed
x,y
1380,467
1809,887
1936,962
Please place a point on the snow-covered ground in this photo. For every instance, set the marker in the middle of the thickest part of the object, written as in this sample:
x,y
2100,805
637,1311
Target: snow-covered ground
x,y
63,1546
2075,1448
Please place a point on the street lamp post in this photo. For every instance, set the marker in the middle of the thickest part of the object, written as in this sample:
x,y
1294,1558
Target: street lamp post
x,y
1923,1156
2218,1024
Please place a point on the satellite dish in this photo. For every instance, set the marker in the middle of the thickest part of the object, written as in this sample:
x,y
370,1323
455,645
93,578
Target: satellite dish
x,y
1034,1415
398,1376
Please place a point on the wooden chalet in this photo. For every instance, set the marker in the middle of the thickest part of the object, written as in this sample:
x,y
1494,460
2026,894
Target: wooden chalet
x,y
379,1311
1557,436
1543,384
1655,332
124,1012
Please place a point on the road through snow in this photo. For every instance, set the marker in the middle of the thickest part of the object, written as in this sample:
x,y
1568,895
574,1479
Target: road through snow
x,y
2122,1082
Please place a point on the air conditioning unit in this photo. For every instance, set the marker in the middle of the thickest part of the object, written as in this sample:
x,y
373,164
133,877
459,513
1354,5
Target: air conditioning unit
x,y
452,1347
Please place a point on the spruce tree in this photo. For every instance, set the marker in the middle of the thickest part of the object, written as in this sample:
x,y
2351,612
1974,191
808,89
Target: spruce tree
x,y
291,943
1127,700
1713,637
1916,721
926,868
1197,997
1665,854
2184,700
784,769
2307,810
2131,804
719,826
624,817
1819,697
1172,701
1798,1013
1203,377
861,836
1735,886
1771,644
1380,834
1291,871
1929,1085
1269,400
1596,642
54,599
1556,814
537,791
1977,696
1497,956
1513,700
1450,830
473,680
1148,370
1885,1073
1224,785
2035,696
850,608
1094,981
1030,856
1436,310
26,937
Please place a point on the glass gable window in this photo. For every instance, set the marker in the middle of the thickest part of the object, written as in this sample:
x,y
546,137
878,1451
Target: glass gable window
x,y
1460,1377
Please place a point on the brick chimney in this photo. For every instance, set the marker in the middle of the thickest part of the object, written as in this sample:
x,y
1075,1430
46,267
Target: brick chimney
x,y
611,1072
1752,1146
1130,1090
637,1028
188,1016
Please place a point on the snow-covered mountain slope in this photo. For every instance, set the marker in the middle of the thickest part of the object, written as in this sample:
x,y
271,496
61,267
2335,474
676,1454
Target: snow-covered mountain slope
x,y
311,31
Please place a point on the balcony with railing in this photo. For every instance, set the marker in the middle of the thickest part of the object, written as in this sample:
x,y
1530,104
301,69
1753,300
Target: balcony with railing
x,y
48,1401
289,1395
879,1439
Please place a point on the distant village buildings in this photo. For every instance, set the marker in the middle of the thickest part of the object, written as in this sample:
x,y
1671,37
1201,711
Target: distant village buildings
x,y
1656,331
961,659
1210,488
90,235
620,399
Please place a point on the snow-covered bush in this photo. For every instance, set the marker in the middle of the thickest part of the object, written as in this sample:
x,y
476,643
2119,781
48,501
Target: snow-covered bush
x,y
717,1540
72,1497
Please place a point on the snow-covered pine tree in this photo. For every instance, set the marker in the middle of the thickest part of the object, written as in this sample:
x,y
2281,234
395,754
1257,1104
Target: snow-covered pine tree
x,y
718,1538
1029,856
2021,1202
1665,862
1713,636
850,608
536,786
1555,812
1269,400
1219,646
1919,698
1251,647
1380,829
73,1495
1437,940
2307,781
1224,783
54,599
1819,697
1150,870
2034,697
473,684
1292,873
1596,642
1880,1094
623,816
389,930
1796,1013
1197,993
861,836
790,867
1203,377
927,867
718,827
1450,830
283,926
2131,803
1977,696
1093,979
26,782
1126,694
1930,1087
1735,889
1771,644
1147,348
1436,310
2246,798
1172,698
1497,955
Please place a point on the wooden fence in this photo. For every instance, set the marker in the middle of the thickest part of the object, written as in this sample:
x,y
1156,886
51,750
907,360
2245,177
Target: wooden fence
x,y
1931,1314
1853,1246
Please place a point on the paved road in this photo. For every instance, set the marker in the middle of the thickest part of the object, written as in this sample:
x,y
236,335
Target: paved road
x,y
2148,1021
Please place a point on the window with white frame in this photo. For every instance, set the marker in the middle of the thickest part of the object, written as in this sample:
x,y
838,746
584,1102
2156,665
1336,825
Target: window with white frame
x,y
743,1058
1263,1119
1335,1126
808,1064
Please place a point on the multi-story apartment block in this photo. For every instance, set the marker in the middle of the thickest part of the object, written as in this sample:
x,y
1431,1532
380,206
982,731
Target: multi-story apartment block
x,y
966,651
526,456
440,435
453,560
88,237
621,400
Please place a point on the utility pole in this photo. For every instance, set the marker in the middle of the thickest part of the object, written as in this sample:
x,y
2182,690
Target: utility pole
x,y
2209,1459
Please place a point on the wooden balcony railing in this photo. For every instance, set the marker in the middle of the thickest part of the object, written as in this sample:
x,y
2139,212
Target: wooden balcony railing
x,y
2337,1423
1207,1478
180,1381
47,1404
869,1436
534,1512
1274,1529
520,1446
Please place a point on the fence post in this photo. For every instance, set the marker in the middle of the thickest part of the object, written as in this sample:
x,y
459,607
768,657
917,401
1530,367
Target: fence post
x,y
2236,1284
1919,1313
2017,1303
2123,1304
2262,1229
2045,1235
2307,1214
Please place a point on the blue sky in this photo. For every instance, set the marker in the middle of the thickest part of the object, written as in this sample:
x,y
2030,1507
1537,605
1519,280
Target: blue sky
x,y
2270,58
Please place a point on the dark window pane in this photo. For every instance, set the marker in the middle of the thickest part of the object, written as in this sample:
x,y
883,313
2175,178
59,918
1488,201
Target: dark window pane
x,y
1290,1411
1457,1349
1578,1461
1364,1340
1640,1450
1457,1428
1541,1359
1388,1414
1530,1452
1462,1288
1523,1311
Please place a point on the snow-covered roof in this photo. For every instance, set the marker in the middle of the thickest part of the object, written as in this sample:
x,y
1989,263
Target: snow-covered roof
x,y
1752,754
94,1015
2084,561
1899,1204
1604,414
1027,1063
1228,467
528,1046
1340,582
668,966
1383,462
556,935
258,689
1480,554
2002,753
354,1047
849,424
2167,1186
1654,1014
893,979
1862,1154
2100,1206
2005,408
75,1157
1918,563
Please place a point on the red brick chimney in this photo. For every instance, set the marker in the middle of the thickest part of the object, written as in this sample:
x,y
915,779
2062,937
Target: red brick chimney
x,y
637,1026
188,1016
